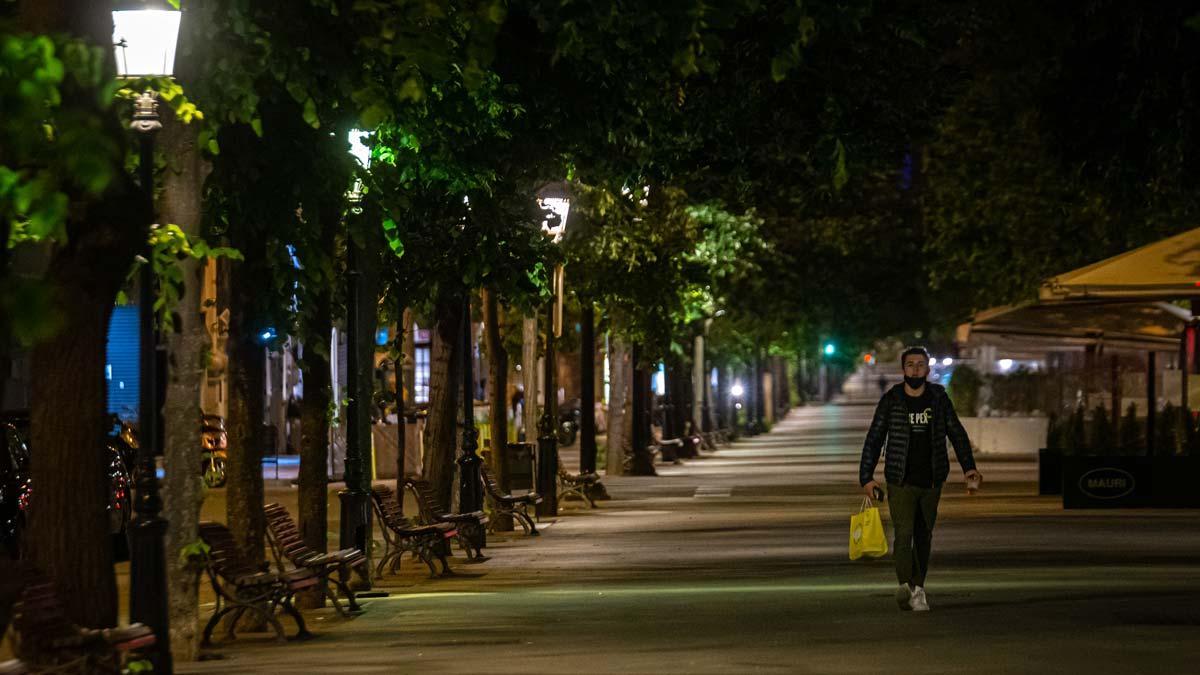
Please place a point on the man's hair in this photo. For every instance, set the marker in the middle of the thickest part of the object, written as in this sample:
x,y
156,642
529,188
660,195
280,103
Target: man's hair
x,y
909,351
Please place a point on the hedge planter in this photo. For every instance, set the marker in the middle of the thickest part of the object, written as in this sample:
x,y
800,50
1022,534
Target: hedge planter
x,y
1129,482
1050,472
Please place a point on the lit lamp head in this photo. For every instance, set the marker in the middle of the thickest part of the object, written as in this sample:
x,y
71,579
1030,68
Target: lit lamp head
x,y
361,153
145,34
358,147
555,200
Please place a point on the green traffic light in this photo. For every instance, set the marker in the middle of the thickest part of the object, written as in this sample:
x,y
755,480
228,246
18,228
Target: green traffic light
x,y
829,349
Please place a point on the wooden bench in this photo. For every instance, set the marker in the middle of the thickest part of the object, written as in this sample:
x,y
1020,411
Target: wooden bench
x,y
332,569
715,437
470,533
669,450
401,535
516,506
241,587
46,641
576,484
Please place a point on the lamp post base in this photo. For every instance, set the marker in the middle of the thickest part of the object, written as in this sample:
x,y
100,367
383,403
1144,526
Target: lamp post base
x,y
147,581
470,491
547,474
355,529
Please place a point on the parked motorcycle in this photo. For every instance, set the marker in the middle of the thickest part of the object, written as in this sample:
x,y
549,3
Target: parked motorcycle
x,y
214,444
569,418
16,486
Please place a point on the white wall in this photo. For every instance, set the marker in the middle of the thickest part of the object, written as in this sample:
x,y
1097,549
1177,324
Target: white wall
x,y
1017,436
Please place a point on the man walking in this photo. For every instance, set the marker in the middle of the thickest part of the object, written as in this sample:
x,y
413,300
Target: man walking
x,y
915,418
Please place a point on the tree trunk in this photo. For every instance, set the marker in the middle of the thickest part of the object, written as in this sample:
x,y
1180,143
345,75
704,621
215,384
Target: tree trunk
x,y
587,389
406,377
497,397
244,486
183,491
618,387
441,437
5,309
679,385
68,527
68,533
369,288
398,345
529,371
721,400
313,497
760,402
643,460
699,382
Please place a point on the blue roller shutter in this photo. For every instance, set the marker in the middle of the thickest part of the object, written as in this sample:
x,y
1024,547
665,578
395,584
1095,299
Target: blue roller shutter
x,y
121,372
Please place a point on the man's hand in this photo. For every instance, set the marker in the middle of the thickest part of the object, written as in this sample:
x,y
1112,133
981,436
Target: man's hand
x,y
974,480
870,489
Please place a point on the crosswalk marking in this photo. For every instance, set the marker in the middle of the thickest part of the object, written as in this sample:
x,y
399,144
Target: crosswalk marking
x,y
703,491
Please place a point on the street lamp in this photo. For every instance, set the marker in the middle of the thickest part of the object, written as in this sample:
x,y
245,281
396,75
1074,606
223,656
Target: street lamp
x,y
554,199
144,36
355,517
470,477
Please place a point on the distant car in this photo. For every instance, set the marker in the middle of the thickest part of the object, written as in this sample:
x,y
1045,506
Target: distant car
x,y
16,484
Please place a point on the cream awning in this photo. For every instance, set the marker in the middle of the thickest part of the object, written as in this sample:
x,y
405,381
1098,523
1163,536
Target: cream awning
x,y
1165,270
1057,326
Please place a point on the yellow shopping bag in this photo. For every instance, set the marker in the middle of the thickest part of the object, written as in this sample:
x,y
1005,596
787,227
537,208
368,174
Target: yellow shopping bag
x,y
866,533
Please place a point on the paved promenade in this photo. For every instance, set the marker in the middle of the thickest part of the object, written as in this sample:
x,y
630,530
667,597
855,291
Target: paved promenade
x,y
737,563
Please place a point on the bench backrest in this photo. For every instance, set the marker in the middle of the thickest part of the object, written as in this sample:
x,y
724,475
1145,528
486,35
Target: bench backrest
x,y
489,482
423,491
387,507
562,470
38,615
224,559
284,533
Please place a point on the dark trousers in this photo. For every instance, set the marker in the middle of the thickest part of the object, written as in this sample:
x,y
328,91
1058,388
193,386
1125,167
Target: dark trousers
x,y
914,511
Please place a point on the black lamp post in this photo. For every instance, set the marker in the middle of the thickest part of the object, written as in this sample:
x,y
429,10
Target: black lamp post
x,y
555,200
145,35
470,482
355,515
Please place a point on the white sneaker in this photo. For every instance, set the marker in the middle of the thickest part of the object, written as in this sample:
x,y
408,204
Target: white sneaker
x,y
918,601
904,596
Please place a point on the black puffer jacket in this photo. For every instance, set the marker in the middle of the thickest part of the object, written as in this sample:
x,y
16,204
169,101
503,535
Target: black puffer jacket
x,y
891,424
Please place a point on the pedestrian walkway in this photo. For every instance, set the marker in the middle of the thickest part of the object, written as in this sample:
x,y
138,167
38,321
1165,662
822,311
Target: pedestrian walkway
x,y
736,562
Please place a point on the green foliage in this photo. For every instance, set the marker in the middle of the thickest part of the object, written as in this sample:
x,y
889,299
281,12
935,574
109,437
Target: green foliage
x,y
138,666
1131,432
1100,431
964,388
1035,170
194,556
1075,438
170,244
1055,433
49,149
1166,431
29,310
